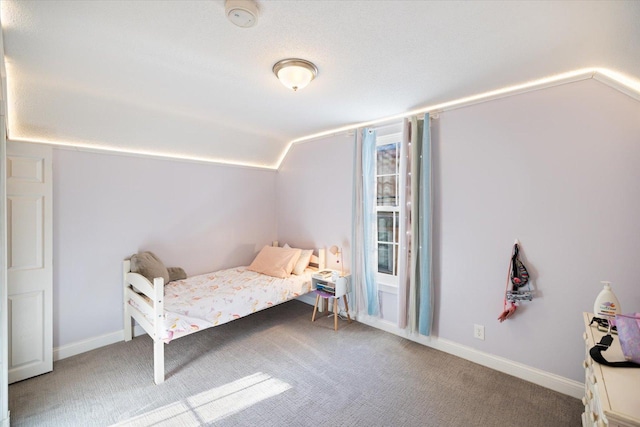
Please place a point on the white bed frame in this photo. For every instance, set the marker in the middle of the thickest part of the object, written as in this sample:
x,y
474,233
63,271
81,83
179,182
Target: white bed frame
x,y
154,309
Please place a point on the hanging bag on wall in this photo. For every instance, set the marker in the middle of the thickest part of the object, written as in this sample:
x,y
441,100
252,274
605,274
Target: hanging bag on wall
x,y
629,334
517,277
519,273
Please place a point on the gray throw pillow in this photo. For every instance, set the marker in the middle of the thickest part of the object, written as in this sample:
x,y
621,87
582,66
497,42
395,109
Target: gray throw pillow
x,y
176,273
149,265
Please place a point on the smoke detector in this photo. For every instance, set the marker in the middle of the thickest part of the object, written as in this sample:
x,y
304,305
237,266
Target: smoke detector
x,y
243,13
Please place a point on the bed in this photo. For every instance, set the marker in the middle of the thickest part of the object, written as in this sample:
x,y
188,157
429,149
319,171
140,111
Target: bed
x,y
196,303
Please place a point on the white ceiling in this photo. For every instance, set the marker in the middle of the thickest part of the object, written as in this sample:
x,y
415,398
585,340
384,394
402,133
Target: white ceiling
x,y
177,78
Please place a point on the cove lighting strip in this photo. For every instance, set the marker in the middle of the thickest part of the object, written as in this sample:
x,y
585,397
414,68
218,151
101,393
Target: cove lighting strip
x,y
141,153
611,78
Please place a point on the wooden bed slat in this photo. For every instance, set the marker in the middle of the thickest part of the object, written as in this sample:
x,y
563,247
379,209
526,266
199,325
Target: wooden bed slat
x,y
144,306
128,327
141,283
155,327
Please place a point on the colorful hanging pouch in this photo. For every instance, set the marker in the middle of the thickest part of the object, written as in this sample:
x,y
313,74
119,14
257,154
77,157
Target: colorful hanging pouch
x,y
629,335
519,274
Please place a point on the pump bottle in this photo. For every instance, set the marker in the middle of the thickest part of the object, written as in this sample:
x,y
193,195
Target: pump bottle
x,y
606,303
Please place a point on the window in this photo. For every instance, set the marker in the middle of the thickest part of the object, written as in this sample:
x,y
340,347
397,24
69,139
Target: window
x,y
388,210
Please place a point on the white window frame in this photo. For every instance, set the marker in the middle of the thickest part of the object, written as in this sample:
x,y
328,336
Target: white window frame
x,y
389,280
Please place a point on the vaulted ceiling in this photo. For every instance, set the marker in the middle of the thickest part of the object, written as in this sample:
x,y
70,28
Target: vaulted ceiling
x,y
176,78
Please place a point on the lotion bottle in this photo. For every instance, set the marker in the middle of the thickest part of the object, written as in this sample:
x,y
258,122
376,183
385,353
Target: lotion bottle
x,y
606,303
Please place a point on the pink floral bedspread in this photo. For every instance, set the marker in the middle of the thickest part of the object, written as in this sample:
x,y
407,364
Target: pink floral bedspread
x,y
207,300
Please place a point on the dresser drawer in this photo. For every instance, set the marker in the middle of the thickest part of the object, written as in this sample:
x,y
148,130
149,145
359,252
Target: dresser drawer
x,y
611,397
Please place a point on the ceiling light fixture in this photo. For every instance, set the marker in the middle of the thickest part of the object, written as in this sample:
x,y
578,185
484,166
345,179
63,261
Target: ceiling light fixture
x,y
295,73
243,13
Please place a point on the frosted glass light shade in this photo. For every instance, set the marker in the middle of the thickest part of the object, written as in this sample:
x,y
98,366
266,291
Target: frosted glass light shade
x,y
295,73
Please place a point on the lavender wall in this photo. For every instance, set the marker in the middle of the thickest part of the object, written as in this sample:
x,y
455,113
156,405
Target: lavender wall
x,y
555,168
314,195
201,217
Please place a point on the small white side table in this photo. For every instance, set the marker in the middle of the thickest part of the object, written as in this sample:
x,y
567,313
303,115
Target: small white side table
x,y
328,288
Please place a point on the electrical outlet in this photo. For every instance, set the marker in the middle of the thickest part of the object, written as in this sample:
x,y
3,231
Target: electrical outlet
x,y
478,332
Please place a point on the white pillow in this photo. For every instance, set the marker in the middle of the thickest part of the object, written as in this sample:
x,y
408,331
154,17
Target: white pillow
x,y
303,261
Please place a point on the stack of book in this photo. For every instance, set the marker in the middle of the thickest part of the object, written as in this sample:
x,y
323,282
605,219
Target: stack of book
x,y
323,275
325,287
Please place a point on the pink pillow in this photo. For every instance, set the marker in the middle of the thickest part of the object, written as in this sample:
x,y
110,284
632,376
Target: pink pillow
x,y
276,262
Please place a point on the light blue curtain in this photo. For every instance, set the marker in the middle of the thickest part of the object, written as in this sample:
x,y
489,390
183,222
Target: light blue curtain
x,y
364,214
423,199
369,217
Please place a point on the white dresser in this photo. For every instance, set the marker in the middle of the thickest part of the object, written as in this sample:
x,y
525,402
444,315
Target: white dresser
x,y
612,395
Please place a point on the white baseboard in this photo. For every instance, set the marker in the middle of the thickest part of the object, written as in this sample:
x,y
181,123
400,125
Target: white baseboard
x,y
537,376
72,349
534,375
89,344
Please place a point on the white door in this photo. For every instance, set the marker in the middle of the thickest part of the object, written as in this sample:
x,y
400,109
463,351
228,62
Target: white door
x,y
4,342
29,260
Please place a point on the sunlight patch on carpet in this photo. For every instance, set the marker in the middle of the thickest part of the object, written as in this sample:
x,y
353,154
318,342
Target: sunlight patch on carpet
x,y
212,405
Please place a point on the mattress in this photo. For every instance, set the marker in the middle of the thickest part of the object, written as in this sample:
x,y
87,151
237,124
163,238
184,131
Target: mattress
x,y
212,299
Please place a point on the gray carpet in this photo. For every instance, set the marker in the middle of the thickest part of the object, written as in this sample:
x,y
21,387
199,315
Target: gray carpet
x,y
276,368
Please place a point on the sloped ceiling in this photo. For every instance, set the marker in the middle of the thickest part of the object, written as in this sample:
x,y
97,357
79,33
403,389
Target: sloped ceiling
x,y
177,78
